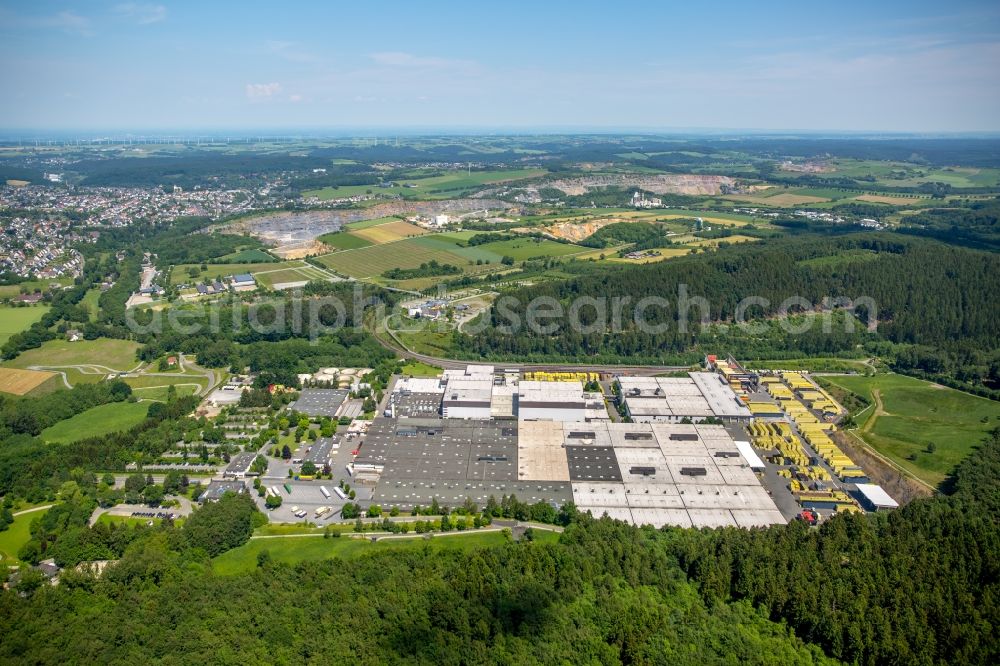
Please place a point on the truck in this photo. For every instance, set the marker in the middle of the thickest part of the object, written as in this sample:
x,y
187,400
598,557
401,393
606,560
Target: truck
x,y
326,493
321,511
340,493
288,488
300,514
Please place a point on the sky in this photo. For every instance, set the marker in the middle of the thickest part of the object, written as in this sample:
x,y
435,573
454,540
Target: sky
x,y
909,66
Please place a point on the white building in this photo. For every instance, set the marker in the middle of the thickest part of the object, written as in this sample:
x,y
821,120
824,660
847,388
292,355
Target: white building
x,y
440,220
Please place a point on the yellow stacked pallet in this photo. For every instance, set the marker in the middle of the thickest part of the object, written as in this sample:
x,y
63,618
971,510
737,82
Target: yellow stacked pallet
x,y
562,376
779,392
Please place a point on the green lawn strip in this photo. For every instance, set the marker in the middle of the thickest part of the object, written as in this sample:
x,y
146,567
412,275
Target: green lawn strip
x,y
15,536
97,421
293,549
919,414
16,319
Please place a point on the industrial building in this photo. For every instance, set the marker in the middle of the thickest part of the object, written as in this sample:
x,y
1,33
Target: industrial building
x,y
320,402
655,473
697,397
239,465
478,392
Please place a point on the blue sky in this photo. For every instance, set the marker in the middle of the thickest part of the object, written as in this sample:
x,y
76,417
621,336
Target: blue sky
x,y
888,66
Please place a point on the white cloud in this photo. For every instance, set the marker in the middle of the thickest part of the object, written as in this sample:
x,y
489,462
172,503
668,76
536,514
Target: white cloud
x,y
289,51
295,98
142,13
262,90
400,59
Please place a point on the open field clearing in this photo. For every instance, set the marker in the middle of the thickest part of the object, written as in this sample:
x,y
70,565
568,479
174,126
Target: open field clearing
x,y
139,382
253,256
460,180
364,224
905,174
16,319
159,393
97,421
16,535
373,261
20,382
924,427
714,242
90,300
179,274
892,199
292,549
344,240
388,232
664,253
290,275
102,353
779,198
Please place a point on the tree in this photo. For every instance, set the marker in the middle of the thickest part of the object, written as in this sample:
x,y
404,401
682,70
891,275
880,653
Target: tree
x,y
286,452
374,511
153,495
308,468
273,501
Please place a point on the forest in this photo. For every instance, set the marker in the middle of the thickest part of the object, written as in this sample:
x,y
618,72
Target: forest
x,y
927,295
918,585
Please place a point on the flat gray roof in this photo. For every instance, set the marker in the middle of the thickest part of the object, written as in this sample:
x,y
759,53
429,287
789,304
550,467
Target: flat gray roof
x,y
320,402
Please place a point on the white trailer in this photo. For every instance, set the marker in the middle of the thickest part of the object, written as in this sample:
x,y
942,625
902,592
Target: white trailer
x,y
326,493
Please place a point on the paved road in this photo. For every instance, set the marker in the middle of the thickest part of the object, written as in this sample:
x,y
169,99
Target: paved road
x,y
33,509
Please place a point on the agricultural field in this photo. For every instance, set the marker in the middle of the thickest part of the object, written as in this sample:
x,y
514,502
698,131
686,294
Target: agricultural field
x,y
446,248
464,180
21,382
893,199
372,261
344,240
388,232
292,550
924,427
777,197
250,256
16,319
374,222
905,174
98,354
97,421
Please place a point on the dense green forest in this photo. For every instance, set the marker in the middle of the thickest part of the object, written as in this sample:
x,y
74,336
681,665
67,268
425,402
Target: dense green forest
x,y
919,585
936,304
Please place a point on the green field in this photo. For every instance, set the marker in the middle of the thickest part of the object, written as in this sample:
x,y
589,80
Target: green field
x,y
915,414
818,364
90,300
298,549
374,222
16,536
159,393
252,256
142,382
11,290
373,261
420,369
114,354
16,319
429,187
97,421
179,275
344,240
